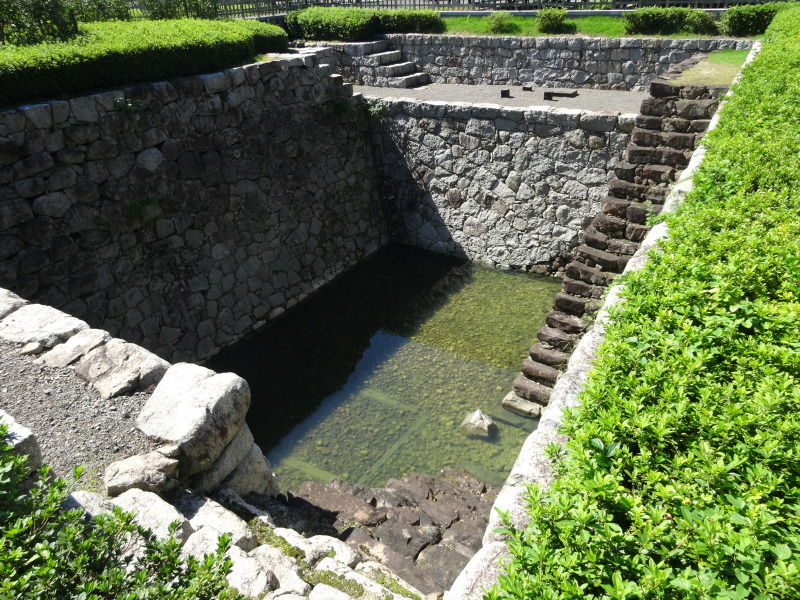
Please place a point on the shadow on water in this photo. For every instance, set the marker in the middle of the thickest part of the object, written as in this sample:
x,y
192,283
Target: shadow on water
x,y
309,353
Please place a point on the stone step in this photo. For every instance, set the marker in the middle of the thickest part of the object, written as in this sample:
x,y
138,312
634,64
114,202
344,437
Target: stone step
x,y
572,305
539,372
365,48
614,207
626,171
611,226
601,258
622,247
382,58
658,173
594,238
548,356
577,287
638,212
531,390
521,406
636,232
409,81
396,70
555,338
566,323
626,190
643,155
590,275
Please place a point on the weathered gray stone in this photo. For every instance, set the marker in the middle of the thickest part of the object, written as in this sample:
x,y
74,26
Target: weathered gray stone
x,y
40,324
284,569
478,423
204,513
9,302
91,503
254,474
232,456
248,576
197,409
319,546
480,574
75,347
151,472
152,512
117,367
22,440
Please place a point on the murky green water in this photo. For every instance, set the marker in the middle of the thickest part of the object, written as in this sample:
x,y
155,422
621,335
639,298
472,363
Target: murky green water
x,y
370,378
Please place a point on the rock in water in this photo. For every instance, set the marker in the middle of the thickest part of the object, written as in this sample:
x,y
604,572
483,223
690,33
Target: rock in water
x,y
478,423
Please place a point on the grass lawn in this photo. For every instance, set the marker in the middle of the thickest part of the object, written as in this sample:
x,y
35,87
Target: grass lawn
x,y
588,26
718,69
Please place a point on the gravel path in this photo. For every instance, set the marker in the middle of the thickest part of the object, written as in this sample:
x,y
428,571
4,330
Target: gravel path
x,y
73,424
587,99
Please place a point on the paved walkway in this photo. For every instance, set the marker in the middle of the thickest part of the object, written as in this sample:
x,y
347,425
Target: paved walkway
x,y
587,99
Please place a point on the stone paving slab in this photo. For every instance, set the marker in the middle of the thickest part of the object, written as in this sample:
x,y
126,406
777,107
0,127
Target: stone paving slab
x,y
587,99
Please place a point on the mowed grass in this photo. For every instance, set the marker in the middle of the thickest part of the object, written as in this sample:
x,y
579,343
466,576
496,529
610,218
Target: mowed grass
x,y
612,27
528,26
718,69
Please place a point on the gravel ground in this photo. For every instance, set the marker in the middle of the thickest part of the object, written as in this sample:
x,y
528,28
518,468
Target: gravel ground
x,y
73,424
587,99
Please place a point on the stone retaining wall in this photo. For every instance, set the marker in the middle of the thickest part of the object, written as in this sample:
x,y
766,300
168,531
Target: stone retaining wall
x,y
577,62
507,186
183,215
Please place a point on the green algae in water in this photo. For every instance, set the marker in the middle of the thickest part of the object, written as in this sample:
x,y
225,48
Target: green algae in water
x,y
370,378
400,413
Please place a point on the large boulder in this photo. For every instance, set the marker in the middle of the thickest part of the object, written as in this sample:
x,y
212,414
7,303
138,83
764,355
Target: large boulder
x,y
153,513
9,302
38,324
117,367
254,474
234,454
151,472
204,513
198,410
22,440
285,569
76,347
478,423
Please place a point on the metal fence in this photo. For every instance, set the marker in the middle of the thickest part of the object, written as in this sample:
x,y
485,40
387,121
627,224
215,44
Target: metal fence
x,y
264,8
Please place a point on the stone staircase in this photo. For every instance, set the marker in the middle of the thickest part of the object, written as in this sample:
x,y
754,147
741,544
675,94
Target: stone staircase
x,y
667,131
374,64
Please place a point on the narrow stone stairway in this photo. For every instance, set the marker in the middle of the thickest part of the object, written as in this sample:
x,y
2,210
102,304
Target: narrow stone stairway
x,y
374,64
667,131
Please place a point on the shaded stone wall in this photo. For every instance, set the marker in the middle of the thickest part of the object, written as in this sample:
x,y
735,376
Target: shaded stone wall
x,y
507,186
184,215
620,64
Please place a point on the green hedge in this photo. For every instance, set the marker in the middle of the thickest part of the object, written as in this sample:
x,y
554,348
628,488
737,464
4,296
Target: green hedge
x,y
668,21
750,19
356,24
117,53
49,553
681,476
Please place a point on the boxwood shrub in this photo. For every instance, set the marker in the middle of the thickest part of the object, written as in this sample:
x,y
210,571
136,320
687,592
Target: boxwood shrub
x,y
749,19
668,21
356,24
116,53
49,552
681,476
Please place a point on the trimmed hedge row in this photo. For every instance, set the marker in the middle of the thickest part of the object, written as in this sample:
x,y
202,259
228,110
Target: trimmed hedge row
x,y
737,21
681,476
356,24
115,53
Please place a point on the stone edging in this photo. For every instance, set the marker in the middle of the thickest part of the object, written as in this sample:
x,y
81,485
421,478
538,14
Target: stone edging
x,y
532,465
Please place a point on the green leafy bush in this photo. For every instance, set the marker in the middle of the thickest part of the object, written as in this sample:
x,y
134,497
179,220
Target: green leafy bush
x,y
355,24
179,9
681,478
115,53
87,11
553,20
47,552
409,21
668,21
500,22
34,21
748,20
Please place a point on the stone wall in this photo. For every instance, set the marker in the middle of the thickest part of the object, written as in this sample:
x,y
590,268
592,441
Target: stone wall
x,y
507,186
183,215
578,62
